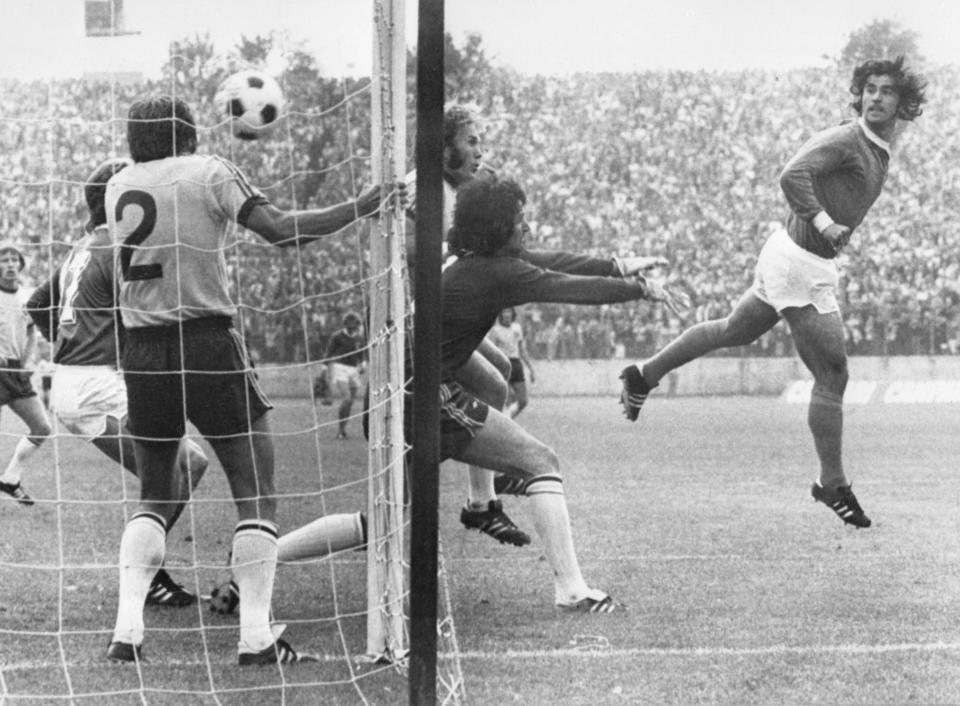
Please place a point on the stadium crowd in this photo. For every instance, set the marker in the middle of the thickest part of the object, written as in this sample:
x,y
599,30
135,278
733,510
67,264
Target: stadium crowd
x,y
679,164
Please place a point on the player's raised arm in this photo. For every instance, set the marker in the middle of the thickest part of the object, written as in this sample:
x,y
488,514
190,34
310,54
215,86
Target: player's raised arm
x,y
296,228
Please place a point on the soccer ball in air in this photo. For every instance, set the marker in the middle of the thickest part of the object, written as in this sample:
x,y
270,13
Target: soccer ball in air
x,y
253,101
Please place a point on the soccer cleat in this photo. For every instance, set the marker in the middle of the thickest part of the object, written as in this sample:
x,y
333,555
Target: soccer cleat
x,y
597,603
508,485
124,652
341,435
634,393
164,591
279,652
494,521
225,598
843,502
15,491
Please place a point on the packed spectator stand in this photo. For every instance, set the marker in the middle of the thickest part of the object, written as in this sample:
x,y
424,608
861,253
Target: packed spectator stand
x,y
674,163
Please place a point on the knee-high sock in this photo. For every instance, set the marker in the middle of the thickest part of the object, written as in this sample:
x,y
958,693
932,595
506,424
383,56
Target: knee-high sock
x,y
825,419
254,567
325,535
141,553
25,448
552,522
481,486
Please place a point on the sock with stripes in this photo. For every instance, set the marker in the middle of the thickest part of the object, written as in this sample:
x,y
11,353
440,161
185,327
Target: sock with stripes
x,y
254,568
141,553
552,522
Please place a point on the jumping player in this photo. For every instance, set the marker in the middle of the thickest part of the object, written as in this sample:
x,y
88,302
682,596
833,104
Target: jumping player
x,y
18,345
75,310
830,185
170,214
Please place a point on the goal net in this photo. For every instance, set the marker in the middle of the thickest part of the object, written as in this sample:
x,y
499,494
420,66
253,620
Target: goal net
x,y
58,571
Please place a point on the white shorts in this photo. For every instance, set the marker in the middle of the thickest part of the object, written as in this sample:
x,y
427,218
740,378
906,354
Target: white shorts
x,y
344,378
83,396
787,276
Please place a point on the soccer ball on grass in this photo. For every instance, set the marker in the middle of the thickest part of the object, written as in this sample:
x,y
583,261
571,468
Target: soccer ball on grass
x,y
253,101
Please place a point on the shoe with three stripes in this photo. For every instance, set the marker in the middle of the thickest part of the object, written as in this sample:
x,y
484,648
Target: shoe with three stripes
x,y
634,393
164,591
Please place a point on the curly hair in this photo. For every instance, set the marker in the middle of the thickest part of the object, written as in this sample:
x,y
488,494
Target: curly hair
x,y
486,213
160,127
910,87
456,116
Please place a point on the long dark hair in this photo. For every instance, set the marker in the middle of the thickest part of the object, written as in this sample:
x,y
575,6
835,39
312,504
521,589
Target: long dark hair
x,y
911,88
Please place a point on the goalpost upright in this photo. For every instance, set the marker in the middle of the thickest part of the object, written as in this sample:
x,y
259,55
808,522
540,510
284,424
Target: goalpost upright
x,y
386,557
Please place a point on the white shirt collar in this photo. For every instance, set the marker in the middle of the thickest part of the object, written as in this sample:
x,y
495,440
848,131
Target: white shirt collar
x,y
872,136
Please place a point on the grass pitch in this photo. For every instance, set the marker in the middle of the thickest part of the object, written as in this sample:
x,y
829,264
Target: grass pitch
x,y
738,587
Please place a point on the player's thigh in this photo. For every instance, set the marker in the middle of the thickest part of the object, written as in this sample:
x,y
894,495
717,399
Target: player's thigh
x,y
496,356
751,318
503,445
819,340
482,379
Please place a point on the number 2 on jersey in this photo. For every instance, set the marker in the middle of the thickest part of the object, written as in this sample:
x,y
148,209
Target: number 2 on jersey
x,y
144,228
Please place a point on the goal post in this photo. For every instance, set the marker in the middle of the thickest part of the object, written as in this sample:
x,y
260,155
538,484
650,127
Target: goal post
x,y
386,557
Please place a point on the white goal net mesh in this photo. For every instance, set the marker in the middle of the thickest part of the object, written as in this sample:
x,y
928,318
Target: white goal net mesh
x,y
58,569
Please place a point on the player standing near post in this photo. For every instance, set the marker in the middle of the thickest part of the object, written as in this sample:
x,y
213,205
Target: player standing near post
x,y
346,356
75,309
493,272
485,373
829,184
507,335
18,345
170,213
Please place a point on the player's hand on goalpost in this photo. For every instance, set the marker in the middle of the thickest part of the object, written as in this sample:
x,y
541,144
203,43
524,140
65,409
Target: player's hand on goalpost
x,y
375,197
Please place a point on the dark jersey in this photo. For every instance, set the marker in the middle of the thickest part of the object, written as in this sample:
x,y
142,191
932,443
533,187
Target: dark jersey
x,y
75,308
346,348
476,289
840,171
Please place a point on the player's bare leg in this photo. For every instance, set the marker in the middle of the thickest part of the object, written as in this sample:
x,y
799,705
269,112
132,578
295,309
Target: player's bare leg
x,y
750,319
820,345
31,411
504,446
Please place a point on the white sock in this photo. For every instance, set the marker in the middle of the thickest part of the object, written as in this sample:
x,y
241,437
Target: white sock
x,y
481,487
254,567
24,450
550,518
141,553
325,535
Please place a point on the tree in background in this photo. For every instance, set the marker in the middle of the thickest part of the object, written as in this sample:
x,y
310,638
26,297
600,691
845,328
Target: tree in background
x,y
881,39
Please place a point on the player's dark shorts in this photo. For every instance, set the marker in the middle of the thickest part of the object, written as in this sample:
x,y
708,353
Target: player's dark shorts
x,y
516,371
14,383
462,416
205,377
